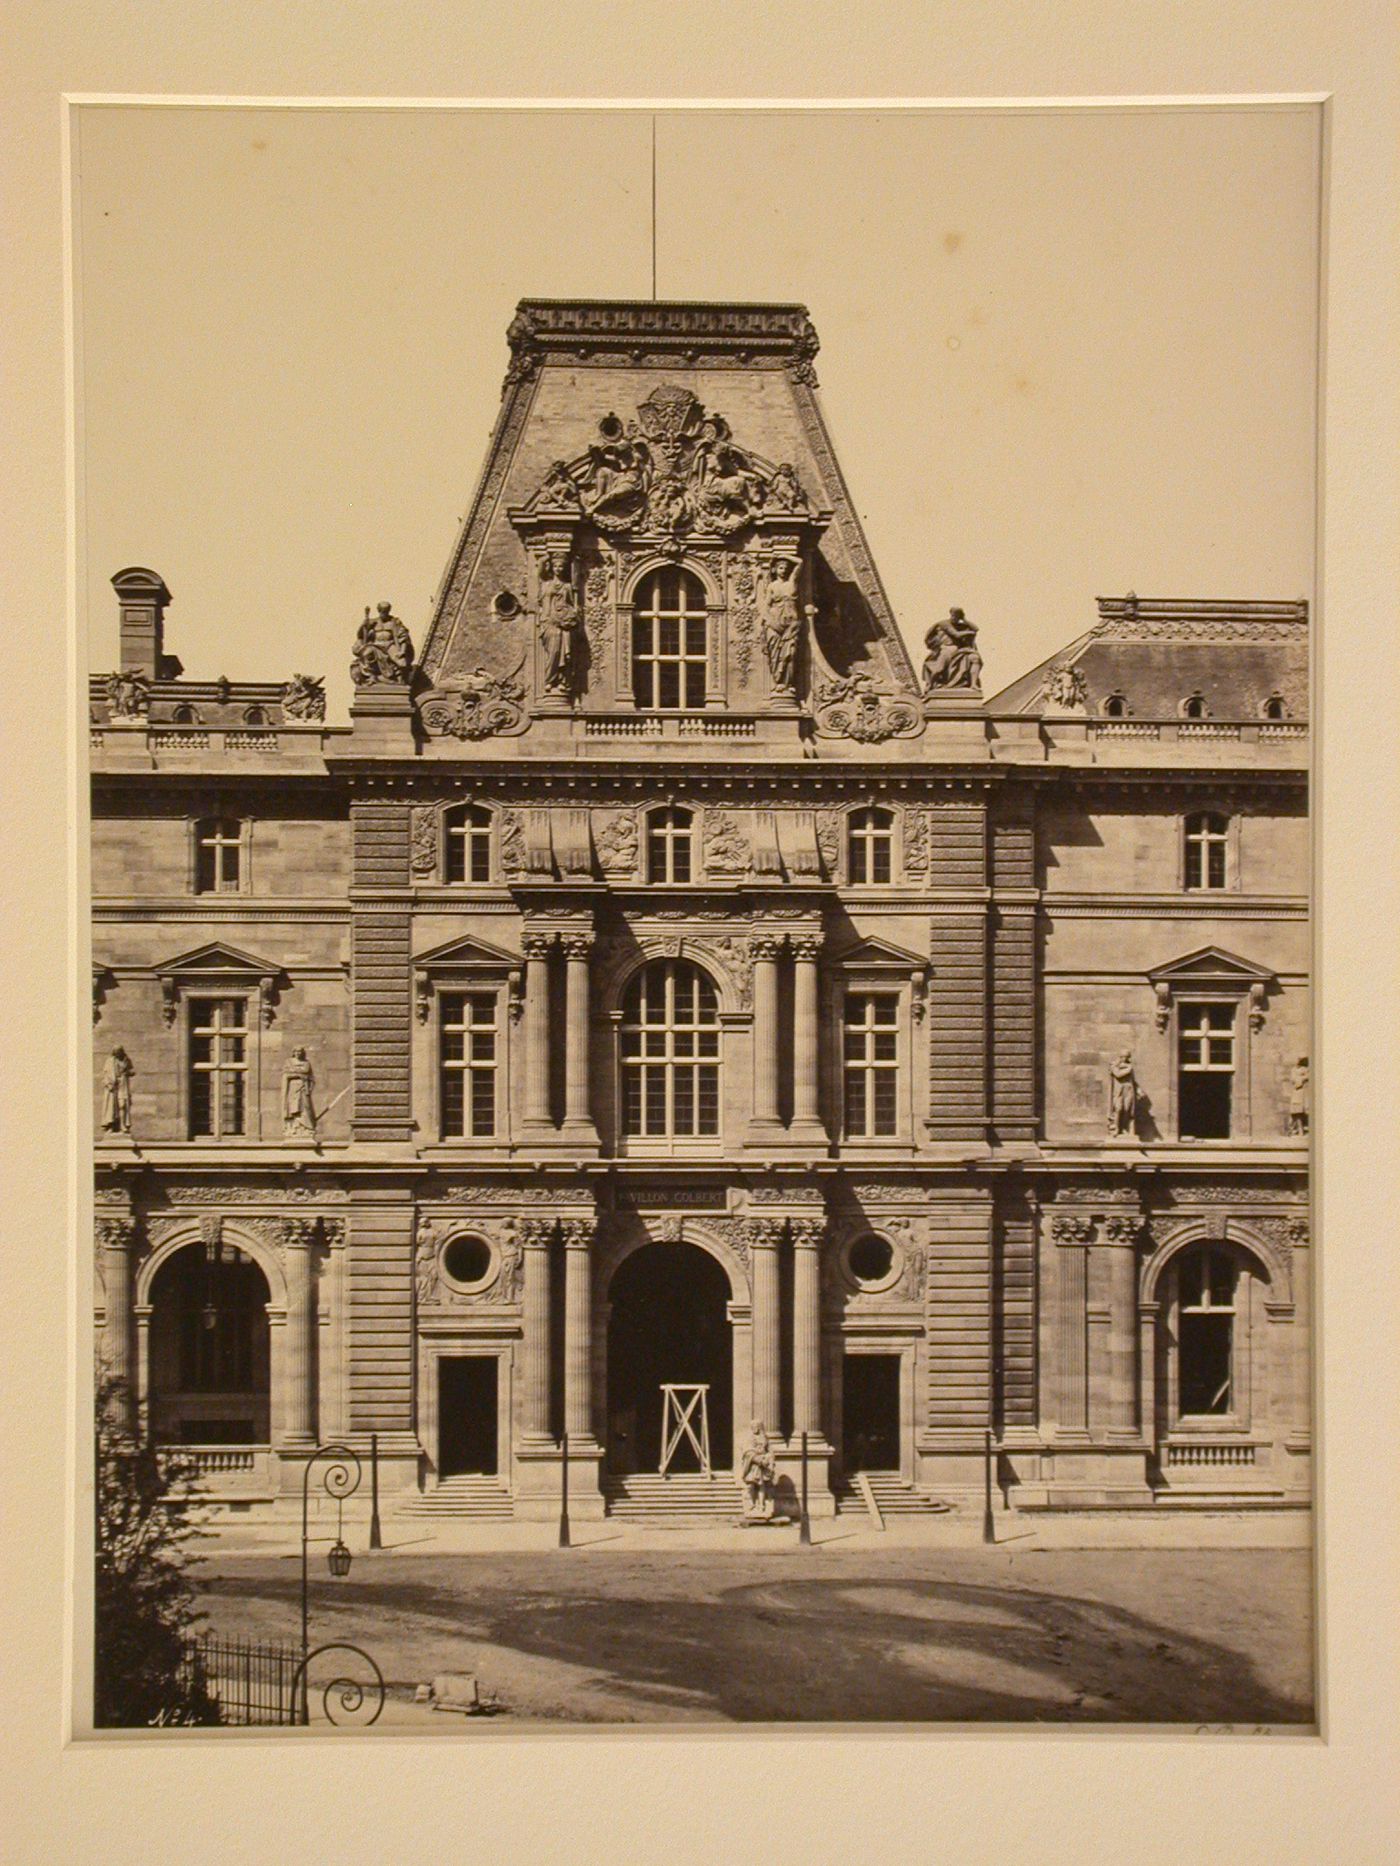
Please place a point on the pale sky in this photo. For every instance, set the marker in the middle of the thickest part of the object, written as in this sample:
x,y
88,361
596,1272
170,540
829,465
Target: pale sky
x,y
1064,353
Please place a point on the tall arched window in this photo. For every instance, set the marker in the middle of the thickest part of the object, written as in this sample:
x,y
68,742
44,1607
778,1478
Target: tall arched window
x,y
670,1052
870,846
209,1348
466,830
1206,1281
669,845
670,640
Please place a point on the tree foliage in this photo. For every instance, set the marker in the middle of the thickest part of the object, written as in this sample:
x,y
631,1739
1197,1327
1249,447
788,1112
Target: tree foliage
x,y
145,1613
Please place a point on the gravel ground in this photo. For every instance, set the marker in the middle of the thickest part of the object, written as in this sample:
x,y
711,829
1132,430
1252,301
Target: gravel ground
x,y
1150,1636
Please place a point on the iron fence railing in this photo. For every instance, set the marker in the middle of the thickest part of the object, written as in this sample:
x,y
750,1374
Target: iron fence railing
x,y
250,1680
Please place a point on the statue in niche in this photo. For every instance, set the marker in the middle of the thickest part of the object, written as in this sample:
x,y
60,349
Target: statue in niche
x,y
383,650
117,1072
298,1080
952,659
758,1473
1122,1096
561,629
782,628
1299,1095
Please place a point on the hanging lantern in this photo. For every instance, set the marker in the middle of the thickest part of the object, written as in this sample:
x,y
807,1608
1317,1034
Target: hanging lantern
x,y
338,1560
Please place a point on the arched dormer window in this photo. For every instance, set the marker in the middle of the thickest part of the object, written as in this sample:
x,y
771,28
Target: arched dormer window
x,y
184,716
1115,706
669,1052
1273,707
1194,707
670,845
466,837
670,641
870,847
254,716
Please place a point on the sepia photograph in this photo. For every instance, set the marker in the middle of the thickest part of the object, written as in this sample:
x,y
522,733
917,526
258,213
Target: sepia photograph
x,y
699,726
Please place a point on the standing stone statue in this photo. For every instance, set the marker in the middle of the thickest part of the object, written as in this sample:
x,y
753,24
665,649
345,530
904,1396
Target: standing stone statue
x,y
1299,1095
757,1473
952,659
117,1072
383,650
782,629
1122,1096
298,1080
561,630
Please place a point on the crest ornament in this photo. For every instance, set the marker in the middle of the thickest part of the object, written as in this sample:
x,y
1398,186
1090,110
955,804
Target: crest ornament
x,y
304,697
852,709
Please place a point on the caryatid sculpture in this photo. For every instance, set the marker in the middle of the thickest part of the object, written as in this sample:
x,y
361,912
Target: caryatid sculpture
x,y
757,1473
561,629
1122,1096
952,660
383,650
782,627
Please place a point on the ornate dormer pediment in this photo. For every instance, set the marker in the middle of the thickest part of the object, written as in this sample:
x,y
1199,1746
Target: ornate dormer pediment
x,y
673,471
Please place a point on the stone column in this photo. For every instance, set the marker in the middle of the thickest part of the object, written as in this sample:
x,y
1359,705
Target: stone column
x,y
537,1234
115,1240
537,948
299,1350
577,1116
807,1235
1072,1236
806,1120
1120,1239
765,951
578,1330
764,1237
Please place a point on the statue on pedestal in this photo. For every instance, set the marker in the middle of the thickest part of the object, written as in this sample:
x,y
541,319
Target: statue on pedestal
x,y
117,1072
757,1473
383,650
298,1080
1122,1096
1299,1094
952,659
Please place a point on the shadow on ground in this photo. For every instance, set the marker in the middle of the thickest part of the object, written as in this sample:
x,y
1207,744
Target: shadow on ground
x,y
575,1644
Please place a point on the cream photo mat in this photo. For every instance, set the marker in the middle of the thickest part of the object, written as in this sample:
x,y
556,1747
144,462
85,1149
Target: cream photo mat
x,y
142,1804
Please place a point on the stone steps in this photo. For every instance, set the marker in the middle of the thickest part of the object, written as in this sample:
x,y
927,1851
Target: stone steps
x,y
893,1496
472,1498
644,1496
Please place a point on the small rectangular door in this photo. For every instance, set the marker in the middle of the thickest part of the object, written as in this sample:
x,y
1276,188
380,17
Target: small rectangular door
x,y
467,1415
870,1412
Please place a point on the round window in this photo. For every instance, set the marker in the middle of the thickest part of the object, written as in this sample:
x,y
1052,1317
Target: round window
x,y
467,1260
871,1259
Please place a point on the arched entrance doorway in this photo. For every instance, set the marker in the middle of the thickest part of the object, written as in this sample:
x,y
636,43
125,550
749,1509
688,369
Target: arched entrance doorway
x,y
210,1374
667,1324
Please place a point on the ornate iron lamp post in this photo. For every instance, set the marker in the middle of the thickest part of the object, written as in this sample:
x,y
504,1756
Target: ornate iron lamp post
x,y
340,1478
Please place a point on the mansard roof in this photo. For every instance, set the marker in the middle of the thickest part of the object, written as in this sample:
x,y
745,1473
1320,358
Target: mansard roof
x,y
1159,652
598,398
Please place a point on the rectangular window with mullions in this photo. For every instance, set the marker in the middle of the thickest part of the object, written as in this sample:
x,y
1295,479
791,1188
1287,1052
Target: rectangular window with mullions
x,y
467,1064
218,1067
1206,1070
870,1067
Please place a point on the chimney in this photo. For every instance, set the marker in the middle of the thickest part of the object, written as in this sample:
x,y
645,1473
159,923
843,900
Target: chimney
x,y
143,596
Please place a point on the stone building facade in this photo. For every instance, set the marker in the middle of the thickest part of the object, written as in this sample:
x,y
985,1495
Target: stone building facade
x,y
661,980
